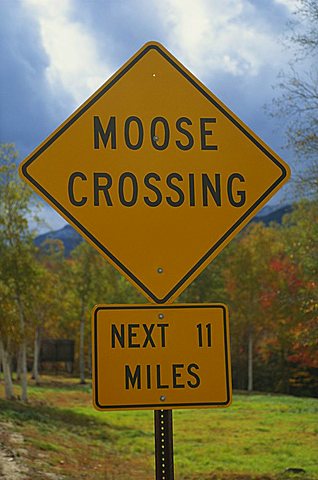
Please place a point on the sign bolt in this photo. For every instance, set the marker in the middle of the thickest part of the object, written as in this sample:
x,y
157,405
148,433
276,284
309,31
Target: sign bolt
x,y
161,316
162,398
155,138
160,270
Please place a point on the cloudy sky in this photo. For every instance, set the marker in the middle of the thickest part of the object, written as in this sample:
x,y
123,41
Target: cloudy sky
x,y
55,53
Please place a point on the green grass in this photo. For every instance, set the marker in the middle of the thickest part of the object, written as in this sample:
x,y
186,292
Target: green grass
x,y
42,445
259,436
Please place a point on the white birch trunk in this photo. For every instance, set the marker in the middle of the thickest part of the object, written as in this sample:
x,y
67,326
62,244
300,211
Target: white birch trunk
x,y
24,372
37,346
82,345
250,360
19,365
6,361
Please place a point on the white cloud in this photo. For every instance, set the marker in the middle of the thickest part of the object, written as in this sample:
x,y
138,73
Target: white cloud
x,y
72,51
219,36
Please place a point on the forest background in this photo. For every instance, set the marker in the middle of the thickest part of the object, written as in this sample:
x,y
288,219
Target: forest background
x,y
267,275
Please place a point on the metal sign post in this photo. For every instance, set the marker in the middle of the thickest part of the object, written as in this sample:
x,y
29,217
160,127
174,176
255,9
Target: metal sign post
x,y
164,445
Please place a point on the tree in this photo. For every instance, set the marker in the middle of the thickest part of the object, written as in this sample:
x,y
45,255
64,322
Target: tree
x,y
17,267
209,285
300,231
80,280
298,102
288,296
7,332
247,275
47,304
90,280
282,307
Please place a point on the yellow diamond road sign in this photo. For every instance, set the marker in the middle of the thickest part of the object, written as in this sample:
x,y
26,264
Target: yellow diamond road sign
x,y
155,172
140,362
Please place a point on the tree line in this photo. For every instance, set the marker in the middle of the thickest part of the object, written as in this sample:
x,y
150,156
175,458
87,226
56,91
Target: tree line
x,y
267,276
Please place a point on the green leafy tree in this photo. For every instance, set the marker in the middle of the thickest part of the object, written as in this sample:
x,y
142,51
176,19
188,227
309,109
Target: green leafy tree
x,y
247,275
209,286
90,280
8,331
17,267
81,279
300,233
47,304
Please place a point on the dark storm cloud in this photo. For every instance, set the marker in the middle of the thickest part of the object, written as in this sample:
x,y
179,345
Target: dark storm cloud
x,y
29,110
31,107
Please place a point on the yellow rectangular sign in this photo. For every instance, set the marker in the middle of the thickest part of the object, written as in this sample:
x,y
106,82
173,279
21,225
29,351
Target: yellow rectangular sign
x,y
161,357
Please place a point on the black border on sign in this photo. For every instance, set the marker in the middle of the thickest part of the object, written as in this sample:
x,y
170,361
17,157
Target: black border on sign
x,y
86,233
160,405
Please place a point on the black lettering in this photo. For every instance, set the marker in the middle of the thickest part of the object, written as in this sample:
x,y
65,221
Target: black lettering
x,y
140,127
120,336
194,375
205,133
163,326
132,335
191,190
102,188
175,203
148,332
176,375
200,336
131,378
240,193
134,183
154,136
83,200
148,371
153,203
214,191
185,132
159,384
99,132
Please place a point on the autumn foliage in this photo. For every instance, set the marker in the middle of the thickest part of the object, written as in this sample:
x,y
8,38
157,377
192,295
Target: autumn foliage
x,y
267,276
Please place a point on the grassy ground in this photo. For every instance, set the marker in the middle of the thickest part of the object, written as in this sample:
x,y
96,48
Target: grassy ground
x,y
259,436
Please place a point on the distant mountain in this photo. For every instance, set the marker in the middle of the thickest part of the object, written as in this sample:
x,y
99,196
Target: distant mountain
x,y
270,214
71,238
67,235
267,210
